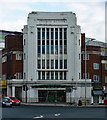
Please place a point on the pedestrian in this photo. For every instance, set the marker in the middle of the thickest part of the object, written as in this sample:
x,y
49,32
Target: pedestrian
x,y
80,102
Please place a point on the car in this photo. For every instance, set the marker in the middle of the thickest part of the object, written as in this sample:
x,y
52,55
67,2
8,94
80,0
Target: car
x,y
14,100
6,102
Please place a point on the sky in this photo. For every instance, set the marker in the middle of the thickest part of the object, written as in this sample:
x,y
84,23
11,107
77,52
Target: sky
x,y
90,14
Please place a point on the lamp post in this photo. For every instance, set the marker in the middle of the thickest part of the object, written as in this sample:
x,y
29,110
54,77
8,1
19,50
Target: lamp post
x,y
86,70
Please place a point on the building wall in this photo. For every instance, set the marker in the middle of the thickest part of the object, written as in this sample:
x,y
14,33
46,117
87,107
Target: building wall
x,y
12,57
46,20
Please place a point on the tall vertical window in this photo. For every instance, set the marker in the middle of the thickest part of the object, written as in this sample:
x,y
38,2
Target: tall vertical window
x,y
38,33
61,75
52,75
43,75
105,66
96,78
43,64
52,64
43,49
61,64
56,33
52,49
47,75
65,64
56,75
39,75
65,33
43,33
65,75
47,33
60,33
47,64
39,64
52,33
56,64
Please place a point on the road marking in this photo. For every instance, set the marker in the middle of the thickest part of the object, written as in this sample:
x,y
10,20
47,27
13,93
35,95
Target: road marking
x,y
41,116
57,114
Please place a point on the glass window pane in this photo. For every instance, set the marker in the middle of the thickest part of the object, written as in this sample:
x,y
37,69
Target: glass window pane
x,y
39,33
65,33
43,75
39,64
52,33
65,64
43,33
52,64
47,33
56,64
56,33
47,64
43,49
43,64
56,75
61,64
60,33
52,75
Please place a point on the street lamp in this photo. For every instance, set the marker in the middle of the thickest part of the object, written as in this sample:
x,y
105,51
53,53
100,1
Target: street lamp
x,y
91,39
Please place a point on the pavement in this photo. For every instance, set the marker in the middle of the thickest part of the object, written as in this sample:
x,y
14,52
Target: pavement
x,y
62,104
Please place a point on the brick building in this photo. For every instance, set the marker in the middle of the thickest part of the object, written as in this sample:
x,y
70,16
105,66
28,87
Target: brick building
x,y
12,57
96,66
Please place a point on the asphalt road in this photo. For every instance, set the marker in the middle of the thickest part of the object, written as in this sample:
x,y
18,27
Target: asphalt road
x,y
29,112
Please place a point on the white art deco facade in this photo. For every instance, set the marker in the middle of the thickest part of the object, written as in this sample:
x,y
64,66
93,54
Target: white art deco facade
x,y
52,57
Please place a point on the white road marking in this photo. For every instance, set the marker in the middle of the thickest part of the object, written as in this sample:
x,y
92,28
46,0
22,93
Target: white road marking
x,y
41,116
57,114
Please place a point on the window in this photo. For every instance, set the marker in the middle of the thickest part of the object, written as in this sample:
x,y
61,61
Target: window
x,y
47,75
95,66
52,49
65,75
43,33
60,33
56,33
52,33
52,75
43,64
56,64
47,49
65,49
47,33
65,64
61,75
18,75
105,79
52,64
60,49
87,56
61,64
39,33
65,33
39,75
87,75
96,78
47,64
18,56
56,75
39,64
43,49
43,75
105,66
56,49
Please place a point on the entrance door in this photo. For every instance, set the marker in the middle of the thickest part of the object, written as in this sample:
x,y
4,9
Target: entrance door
x,y
96,99
18,92
52,96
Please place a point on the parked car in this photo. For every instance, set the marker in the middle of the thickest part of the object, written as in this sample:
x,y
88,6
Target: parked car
x,y
6,102
14,100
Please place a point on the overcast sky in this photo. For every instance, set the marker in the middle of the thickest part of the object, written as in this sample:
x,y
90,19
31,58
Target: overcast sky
x,y
90,14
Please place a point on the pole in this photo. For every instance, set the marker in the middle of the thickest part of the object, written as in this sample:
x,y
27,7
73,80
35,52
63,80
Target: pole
x,y
26,92
85,73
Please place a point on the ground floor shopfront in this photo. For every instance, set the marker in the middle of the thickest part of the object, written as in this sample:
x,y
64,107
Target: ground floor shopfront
x,y
49,91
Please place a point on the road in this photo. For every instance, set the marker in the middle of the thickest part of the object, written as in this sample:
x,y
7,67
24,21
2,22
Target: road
x,y
31,112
